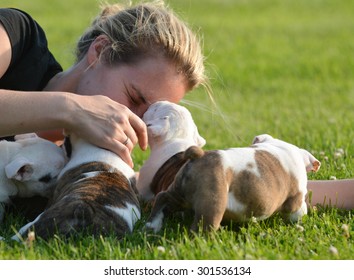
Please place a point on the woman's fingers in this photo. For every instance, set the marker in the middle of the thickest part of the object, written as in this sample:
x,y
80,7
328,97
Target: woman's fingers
x,y
140,132
121,150
128,143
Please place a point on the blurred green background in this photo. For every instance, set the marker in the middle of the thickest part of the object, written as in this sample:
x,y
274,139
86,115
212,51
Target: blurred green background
x,y
281,67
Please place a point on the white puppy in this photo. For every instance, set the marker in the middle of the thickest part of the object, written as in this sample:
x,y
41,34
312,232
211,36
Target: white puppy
x,y
171,130
238,184
29,166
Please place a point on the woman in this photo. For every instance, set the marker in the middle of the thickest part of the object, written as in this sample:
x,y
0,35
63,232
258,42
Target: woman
x,y
127,59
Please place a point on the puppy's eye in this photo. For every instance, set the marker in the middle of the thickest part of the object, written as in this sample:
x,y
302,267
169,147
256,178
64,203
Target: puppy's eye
x,y
45,178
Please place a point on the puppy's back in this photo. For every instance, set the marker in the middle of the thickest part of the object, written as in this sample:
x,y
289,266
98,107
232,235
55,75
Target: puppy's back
x,y
99,202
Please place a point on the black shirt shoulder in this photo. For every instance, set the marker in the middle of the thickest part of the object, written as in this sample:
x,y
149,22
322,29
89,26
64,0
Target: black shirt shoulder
x,y
32,64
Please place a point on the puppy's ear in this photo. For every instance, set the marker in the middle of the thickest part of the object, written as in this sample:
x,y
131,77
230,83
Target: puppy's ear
x,y
311,163
20,169
261,138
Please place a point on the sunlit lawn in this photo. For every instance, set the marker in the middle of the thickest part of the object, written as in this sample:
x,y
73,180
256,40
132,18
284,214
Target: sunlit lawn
x,y
280,67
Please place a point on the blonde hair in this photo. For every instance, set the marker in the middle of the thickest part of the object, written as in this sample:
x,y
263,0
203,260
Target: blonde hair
x,y
147,29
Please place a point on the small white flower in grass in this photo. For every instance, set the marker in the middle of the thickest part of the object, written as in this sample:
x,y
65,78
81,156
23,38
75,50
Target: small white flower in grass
x,y
337,155
333,250
31,237
345,229
161,249
322,153
333,178
300,228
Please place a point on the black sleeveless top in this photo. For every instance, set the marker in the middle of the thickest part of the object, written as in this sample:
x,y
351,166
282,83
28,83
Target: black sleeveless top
x,y
32,64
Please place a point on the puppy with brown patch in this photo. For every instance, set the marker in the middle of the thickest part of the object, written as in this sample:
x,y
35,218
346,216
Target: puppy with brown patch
x,y
95,193
171,131
238,184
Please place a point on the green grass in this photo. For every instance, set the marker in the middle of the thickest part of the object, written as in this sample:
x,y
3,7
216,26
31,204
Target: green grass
x,y
280,67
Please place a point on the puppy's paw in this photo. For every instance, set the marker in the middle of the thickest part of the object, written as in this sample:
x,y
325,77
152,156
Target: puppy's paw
x,y
297,215
152,227
155,223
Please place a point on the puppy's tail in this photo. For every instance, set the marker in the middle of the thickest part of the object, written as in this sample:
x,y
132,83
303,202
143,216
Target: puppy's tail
x,y
193,152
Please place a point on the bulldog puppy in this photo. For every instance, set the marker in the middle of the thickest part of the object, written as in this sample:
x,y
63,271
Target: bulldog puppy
x,y
95,193
28,167
171,130
238,184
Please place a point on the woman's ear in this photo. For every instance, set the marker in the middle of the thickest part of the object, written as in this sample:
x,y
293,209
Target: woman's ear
x,y
96,48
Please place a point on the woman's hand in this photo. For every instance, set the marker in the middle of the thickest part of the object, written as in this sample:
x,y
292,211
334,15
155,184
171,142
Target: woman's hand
x,y
106,124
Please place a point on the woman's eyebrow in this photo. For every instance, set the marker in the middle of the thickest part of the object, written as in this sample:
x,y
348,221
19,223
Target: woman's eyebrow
x,y
141,96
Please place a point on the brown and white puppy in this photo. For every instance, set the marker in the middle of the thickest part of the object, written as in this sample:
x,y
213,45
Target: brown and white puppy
x,y
239,184
95,193
28,167
171,131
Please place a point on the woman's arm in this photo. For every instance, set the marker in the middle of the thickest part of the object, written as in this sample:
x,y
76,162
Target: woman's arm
x,y
337,193
23,112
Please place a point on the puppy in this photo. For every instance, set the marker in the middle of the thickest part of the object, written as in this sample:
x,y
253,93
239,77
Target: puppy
x,y
28,167
95,193
238,184
171,130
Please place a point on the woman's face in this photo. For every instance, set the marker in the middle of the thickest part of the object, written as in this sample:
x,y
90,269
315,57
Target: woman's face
x,y
137,85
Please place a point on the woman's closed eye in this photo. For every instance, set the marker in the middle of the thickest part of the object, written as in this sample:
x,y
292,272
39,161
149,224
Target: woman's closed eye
x,y
132,96
137,101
